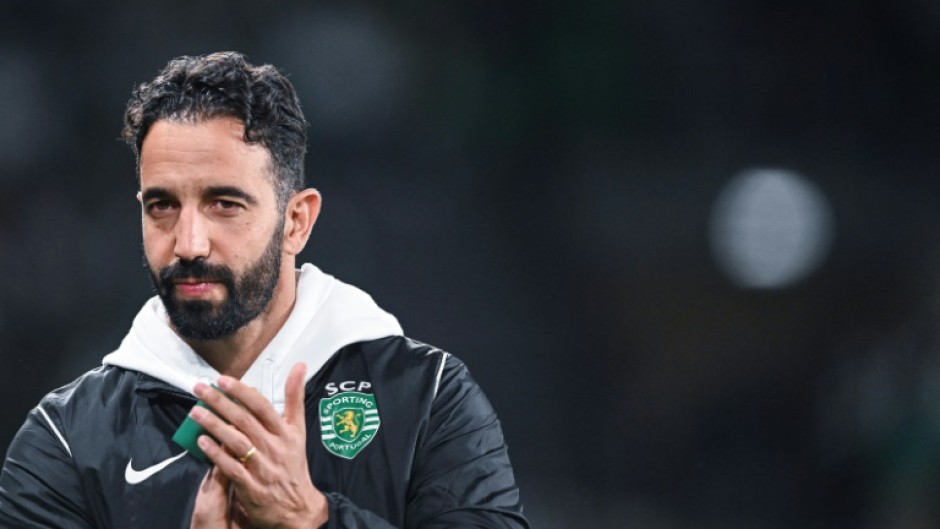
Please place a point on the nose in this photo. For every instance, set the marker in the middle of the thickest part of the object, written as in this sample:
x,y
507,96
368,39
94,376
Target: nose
x,y
192,236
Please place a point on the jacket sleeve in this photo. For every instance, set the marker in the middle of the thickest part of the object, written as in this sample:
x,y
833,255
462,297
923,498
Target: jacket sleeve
x,y
461,476
344,514
39,486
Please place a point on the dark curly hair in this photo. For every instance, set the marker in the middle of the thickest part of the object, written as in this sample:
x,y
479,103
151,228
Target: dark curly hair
x,y
224,84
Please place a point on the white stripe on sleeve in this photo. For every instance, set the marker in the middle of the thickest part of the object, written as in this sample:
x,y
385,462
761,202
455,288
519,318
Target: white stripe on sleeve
x,y
55,430
440,371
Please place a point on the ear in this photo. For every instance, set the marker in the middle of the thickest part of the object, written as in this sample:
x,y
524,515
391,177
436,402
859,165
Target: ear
x,y
299,218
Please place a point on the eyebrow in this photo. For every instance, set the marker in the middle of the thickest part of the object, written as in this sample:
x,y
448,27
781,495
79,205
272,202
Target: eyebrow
x,y
155,193
161,193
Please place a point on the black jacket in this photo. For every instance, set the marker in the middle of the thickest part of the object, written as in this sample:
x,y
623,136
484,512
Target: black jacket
x,y
86,456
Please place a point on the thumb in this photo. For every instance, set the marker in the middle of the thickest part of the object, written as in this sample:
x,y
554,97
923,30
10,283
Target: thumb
x,y
294,397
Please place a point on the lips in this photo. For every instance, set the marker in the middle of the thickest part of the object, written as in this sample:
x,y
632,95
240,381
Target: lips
x,y
194,288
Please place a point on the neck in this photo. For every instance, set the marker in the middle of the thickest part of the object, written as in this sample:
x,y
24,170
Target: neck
x,y
234,355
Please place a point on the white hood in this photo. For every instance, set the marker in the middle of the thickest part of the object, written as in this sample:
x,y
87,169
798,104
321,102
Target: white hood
x,y
328,314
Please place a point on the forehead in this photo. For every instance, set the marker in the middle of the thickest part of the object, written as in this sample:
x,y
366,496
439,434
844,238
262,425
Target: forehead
x,y
211,152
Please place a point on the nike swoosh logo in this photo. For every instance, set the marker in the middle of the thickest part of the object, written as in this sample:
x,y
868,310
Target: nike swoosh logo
x,y
133,477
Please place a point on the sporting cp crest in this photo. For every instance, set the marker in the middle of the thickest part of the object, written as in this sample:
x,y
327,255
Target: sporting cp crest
x,y
348,422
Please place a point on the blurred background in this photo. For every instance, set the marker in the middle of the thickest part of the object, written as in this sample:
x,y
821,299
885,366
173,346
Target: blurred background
x,y
689,249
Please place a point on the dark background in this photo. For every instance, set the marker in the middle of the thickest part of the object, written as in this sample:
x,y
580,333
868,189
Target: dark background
x,y
534,186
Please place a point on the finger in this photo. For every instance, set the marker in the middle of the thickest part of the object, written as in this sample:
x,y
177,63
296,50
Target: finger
x,y
231,411
229,436
210,509
213,482
217,483
224,462
252,401
240,515
294,397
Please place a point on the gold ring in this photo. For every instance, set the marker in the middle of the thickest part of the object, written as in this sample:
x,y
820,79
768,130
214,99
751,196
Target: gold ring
x,y
251,451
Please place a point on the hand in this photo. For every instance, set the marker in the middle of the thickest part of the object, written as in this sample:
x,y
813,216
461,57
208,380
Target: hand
x,y
272,485
212,509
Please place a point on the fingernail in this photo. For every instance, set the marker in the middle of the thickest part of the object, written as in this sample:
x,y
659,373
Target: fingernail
x,y
204,442
198,413
226,382
200,389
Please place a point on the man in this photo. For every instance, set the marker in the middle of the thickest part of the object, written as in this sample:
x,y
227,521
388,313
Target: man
x,y
324,413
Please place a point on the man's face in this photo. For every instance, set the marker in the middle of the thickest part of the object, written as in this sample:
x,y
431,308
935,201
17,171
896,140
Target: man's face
x,y
211,225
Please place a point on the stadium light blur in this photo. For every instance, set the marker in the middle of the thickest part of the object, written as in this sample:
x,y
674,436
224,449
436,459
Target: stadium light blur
x,y
770,228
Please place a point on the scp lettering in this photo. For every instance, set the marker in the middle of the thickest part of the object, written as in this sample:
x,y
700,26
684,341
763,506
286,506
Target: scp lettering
x,y
332,388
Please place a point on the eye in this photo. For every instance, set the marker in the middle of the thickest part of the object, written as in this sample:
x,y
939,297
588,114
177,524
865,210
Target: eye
x,y
159,207
228,207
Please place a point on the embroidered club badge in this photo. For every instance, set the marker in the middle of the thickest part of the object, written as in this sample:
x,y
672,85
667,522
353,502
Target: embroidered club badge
x,y
348,422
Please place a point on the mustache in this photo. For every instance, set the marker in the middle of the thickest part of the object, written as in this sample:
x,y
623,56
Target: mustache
x,y
197,269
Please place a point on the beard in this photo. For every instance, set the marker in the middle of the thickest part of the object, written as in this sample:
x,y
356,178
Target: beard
x,y
248,295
